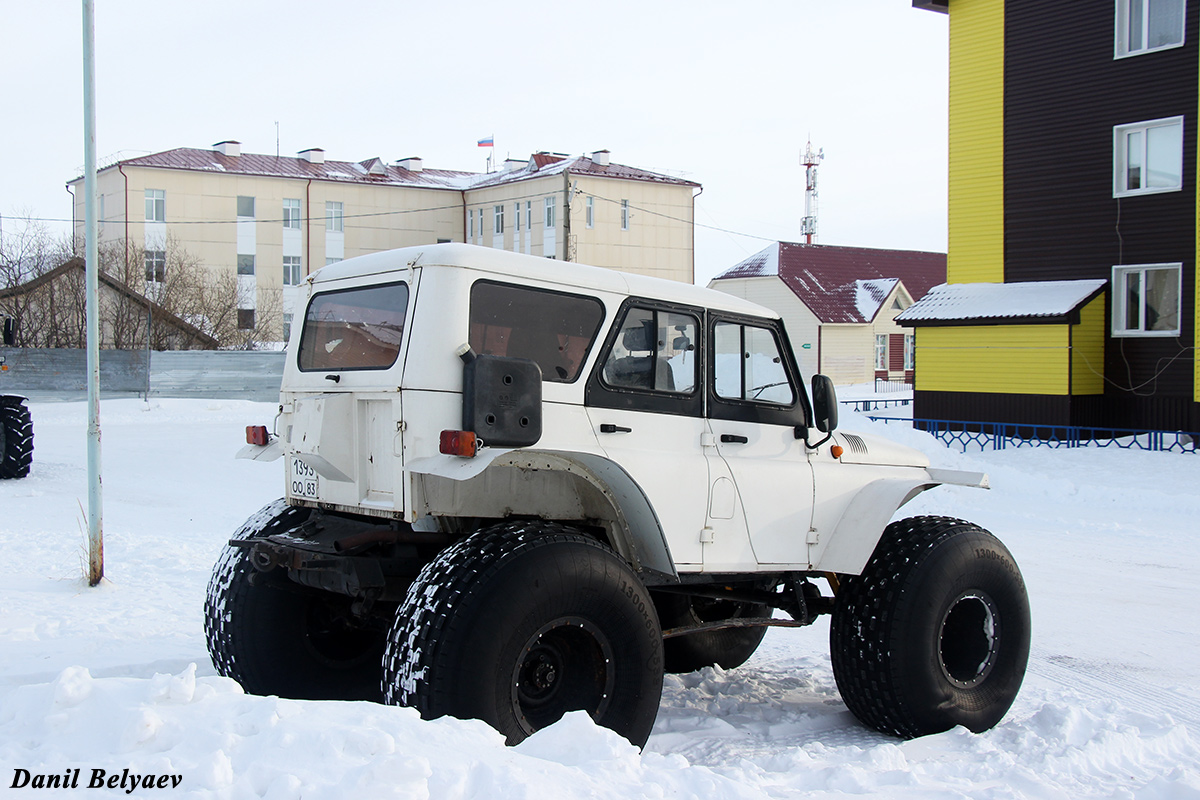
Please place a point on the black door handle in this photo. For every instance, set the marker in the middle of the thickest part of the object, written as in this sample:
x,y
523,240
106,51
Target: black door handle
x,y
610,428
733,438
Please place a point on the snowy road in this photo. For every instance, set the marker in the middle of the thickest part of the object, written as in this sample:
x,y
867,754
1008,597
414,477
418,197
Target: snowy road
x,y
101,678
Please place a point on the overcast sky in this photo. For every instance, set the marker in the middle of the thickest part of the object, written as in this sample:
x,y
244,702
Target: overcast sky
x,y
722,93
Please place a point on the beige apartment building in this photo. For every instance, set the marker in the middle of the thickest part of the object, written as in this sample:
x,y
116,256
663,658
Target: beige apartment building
x,y
274,220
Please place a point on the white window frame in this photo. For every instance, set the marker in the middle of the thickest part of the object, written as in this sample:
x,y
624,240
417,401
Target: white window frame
x,y
529,215
240,215
1121,48
624,215
335,218
291,213
293,270
881,351
550,206
156,266
1121,134
590,207
1120,276
910,352
156,205
498,219
517,216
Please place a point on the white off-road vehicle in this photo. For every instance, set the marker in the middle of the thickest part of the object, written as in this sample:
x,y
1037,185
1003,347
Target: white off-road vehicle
x,y
517,487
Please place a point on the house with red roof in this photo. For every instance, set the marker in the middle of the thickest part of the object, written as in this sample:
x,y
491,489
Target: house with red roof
x,y
839,304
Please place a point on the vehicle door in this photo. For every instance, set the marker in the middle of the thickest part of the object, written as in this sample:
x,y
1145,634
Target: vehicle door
x,y
645,399
342,400
755,402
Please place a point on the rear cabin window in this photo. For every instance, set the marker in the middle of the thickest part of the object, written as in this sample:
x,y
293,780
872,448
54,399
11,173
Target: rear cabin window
x,y
554,329
354,328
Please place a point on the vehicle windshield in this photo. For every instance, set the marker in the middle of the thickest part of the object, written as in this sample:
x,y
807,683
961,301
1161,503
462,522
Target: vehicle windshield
x,y
354,328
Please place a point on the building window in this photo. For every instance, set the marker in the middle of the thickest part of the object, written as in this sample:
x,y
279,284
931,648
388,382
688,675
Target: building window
x,y
1146,300
470,224
245,319
590,215
333,217
517,216
624,215
1144,26
245,265
528,215
245,207
291,214
881,351
291,271
287,326
498,219
156,205
329,260
910,352
549,207
156,266
1148,157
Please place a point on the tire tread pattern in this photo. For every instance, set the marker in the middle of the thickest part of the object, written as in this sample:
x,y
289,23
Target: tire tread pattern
x,y
16,441
861,627
444,583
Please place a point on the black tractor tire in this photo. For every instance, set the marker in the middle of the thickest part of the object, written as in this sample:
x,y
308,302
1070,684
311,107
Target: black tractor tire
x,y
16,438
522,622
275,637
726,647
935,631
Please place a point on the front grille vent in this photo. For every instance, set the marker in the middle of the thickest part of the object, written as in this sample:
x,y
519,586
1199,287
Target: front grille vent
x,y
855,444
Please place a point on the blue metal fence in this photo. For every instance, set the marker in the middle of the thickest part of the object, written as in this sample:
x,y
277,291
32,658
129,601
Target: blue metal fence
x,y
1001,436
875,405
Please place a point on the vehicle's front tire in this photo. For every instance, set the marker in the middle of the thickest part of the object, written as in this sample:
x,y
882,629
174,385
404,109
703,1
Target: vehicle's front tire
x,y
726,647
934,633
16,438
522,622
275,637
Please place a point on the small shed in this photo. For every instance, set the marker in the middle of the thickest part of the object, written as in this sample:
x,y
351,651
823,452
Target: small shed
x,y
1029,353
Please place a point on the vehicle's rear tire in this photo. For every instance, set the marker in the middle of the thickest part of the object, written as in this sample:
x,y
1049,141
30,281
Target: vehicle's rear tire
x,y
16,438
275,637
934,633
726,648
522,622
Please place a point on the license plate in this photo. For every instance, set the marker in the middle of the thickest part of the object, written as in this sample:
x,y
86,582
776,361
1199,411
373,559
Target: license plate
x,y
304,481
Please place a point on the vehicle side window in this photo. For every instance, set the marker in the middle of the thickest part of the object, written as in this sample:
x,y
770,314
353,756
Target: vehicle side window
x,y
554,329
354,328
749,366
654,351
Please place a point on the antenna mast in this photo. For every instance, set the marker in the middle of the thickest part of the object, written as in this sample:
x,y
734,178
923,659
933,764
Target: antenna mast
x,y
810,160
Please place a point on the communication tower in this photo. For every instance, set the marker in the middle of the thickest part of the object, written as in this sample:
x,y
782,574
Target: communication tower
x,y
810,160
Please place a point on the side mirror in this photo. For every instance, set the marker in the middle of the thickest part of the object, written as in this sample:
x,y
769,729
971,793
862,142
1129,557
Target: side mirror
x,y
825,405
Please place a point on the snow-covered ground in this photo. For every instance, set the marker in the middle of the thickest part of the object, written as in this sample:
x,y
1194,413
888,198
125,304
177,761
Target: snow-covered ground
x,y
117,678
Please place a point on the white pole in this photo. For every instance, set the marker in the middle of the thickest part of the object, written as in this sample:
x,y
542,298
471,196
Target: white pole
x,y
95,512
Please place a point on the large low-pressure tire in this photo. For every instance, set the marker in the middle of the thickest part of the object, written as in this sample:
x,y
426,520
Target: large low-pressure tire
x,y
522,622
275,637
726,647
16,438
934,633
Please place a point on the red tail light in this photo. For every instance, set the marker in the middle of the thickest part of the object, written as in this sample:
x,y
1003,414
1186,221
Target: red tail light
x,y
458,443
257,434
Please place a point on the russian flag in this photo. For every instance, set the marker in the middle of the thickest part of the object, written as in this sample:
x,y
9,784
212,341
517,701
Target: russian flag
x,y
488,142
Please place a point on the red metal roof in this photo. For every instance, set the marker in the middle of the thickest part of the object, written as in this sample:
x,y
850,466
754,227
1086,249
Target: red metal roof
x,y
843,284
197,160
